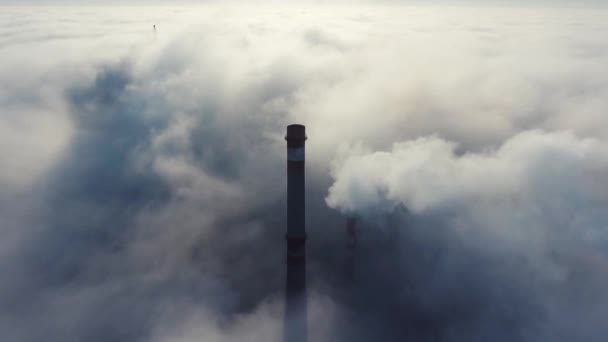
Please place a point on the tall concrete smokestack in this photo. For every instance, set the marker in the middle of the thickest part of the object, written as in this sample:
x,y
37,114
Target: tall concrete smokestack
x,y
351,249
295,301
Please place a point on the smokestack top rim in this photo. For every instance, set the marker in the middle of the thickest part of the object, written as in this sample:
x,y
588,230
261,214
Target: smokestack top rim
x,y
296,132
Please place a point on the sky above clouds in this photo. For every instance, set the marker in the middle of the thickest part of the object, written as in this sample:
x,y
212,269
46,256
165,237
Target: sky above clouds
x,y
142,189
500,3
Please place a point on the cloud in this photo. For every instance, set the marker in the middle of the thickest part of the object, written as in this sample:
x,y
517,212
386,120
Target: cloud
x,y
509,229
142,198
427,173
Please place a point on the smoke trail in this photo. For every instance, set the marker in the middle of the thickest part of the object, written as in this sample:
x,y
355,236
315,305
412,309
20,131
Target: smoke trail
x,y
511,240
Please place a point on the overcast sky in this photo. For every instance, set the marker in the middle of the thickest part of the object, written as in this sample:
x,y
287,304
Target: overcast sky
x,y
509,3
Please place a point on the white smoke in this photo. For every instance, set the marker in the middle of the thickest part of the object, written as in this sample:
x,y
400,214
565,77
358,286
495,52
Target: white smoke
x,y
554,170
538,199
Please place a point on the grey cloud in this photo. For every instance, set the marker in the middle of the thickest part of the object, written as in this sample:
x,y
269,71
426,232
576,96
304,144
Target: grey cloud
x,y
498,237
157,212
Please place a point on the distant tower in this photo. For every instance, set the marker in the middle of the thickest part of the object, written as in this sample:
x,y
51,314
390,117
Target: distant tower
x,y
296,329
351,248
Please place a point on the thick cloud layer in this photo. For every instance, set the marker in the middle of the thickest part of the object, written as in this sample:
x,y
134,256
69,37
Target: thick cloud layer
x,y
523,227
143,185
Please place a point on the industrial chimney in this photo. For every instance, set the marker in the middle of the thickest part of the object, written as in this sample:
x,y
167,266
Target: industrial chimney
x,y
351,249
296,329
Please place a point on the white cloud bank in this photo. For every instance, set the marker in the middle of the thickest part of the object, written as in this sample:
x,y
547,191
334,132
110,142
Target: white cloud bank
x,y
139,180
534,209
426,174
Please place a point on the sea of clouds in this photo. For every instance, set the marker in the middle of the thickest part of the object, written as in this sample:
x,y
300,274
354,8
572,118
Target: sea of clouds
x,y
142,178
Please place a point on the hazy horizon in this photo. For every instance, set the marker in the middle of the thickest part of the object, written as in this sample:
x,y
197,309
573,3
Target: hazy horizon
x,y
449,3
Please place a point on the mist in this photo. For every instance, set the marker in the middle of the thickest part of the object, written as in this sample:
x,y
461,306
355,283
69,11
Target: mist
x,y
143,172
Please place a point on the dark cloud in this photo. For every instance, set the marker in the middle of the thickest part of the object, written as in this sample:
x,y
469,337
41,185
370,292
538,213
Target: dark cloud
x,y
493,255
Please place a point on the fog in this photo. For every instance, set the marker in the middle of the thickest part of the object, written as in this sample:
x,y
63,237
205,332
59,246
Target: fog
x,y
142,184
